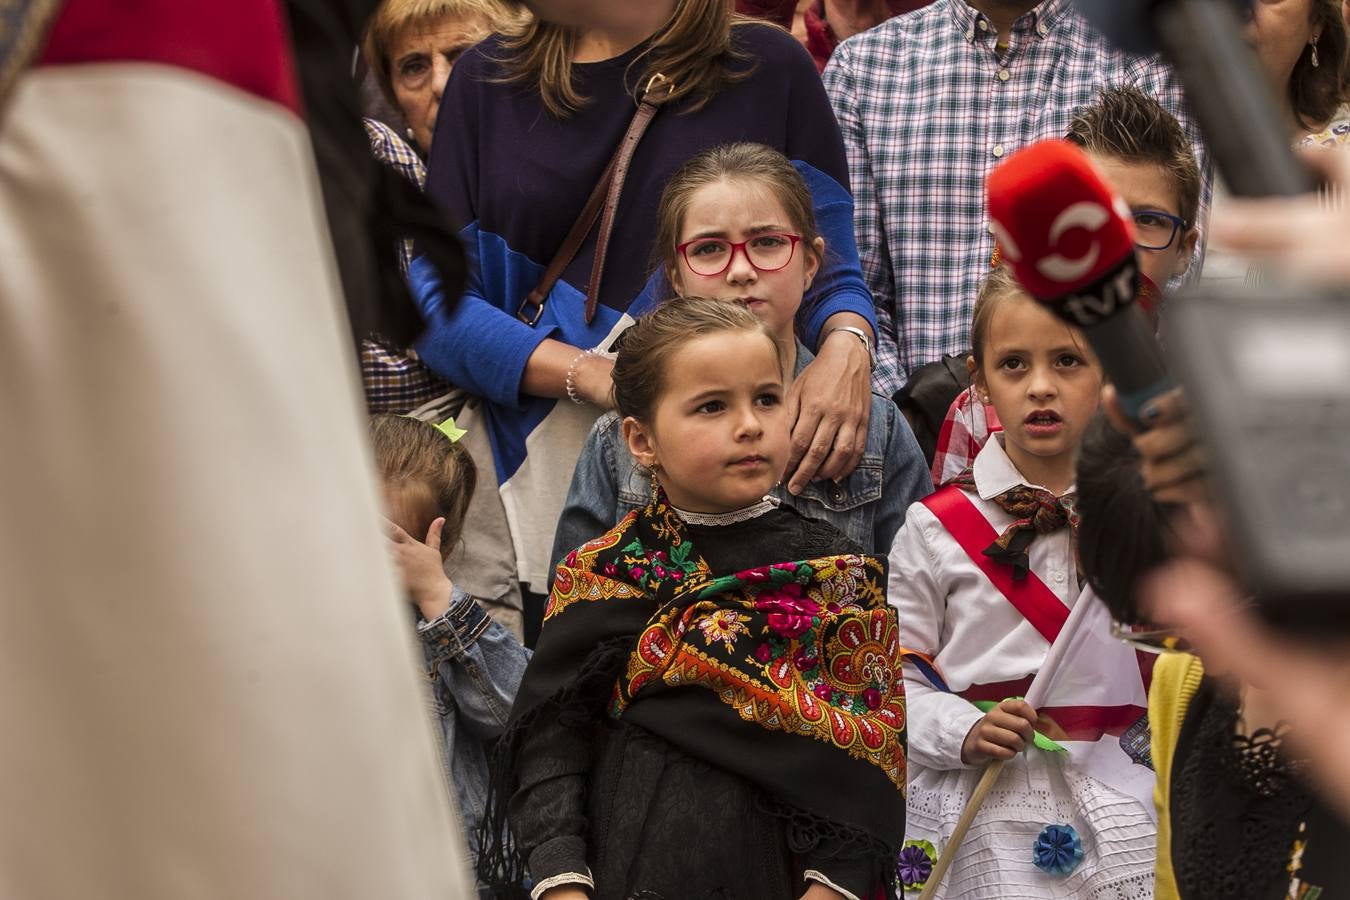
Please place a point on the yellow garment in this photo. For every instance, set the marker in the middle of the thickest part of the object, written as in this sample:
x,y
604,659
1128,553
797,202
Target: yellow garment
x,y
1175,680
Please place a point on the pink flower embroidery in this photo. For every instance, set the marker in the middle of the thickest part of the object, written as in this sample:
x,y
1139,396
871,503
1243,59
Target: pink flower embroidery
x,y
753,576
872,697
763,653
790,613
823,692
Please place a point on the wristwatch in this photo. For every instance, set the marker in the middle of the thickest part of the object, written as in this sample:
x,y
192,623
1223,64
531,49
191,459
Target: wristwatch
x,y
860,335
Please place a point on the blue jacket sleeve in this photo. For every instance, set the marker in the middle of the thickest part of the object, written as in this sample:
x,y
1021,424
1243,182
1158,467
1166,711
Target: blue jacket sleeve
x,y
471,341
478,661
816,146
905,477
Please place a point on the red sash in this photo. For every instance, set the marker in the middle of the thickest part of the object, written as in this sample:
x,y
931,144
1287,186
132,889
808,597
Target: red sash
x,y
1039,606
972,531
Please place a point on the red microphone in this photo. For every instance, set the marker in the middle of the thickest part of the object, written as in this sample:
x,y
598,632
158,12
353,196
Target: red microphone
x,y
1069,239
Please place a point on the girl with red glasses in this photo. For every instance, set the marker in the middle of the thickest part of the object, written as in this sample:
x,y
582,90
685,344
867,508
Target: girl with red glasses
x,y
736,223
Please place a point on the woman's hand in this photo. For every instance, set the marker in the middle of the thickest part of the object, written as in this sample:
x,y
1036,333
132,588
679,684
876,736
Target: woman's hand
x,y
421,568
1304,235
1172,464
830,404
1004,732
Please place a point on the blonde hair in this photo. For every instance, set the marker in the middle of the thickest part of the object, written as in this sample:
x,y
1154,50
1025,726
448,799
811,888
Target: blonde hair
x,y
647,346
431,475
733,162
394,17
999,284
693,49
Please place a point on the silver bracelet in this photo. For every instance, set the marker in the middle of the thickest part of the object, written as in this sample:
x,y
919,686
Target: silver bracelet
x,y
571,382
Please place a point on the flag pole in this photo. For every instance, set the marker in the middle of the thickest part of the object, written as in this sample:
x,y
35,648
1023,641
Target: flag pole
x,y
1036,693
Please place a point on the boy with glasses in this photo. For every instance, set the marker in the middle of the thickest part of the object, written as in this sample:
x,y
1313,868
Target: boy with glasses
x,y
1145,156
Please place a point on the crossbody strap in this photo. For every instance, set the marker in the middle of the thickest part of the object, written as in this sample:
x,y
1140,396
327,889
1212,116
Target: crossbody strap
x,y
605,197
972,531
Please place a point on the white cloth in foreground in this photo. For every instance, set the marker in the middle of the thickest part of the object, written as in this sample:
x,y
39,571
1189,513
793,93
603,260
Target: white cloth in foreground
x,y
206,673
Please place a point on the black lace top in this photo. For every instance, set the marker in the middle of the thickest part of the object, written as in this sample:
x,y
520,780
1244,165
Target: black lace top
x,y
1239,805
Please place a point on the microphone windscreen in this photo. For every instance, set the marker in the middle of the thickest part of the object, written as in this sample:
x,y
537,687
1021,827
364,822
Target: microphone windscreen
x,y
1059,226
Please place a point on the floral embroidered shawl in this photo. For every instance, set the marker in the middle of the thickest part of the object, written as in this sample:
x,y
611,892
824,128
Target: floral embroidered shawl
x,y
799,664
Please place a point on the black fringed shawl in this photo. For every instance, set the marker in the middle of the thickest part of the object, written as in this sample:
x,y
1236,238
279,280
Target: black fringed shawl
x,y
800,663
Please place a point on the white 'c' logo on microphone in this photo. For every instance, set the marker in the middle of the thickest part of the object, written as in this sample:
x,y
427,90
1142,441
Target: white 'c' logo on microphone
x,y
1087,215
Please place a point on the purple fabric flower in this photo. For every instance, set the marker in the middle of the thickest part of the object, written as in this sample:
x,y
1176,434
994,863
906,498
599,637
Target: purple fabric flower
x,y
763,653
915,864
823,692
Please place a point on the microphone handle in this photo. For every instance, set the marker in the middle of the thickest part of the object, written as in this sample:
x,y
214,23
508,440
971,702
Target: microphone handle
x,y
1130,357
1230,96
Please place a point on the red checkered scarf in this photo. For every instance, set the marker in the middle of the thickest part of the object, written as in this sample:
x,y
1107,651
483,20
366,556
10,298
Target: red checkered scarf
x,y
1034,511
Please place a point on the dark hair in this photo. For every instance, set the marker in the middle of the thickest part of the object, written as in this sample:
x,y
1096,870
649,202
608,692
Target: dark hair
x,y
1316,92
1123,531
1127,124
733,162
644,349
431,474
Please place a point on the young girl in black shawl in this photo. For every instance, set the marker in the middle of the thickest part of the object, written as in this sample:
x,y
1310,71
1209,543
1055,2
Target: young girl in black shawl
x,y
716,705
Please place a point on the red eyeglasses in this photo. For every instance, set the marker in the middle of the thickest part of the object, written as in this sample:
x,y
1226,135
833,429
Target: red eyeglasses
x,y
712,256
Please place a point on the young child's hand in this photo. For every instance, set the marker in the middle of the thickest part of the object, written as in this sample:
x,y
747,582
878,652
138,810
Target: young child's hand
x,y
565,892
1004,732
817,891
421,568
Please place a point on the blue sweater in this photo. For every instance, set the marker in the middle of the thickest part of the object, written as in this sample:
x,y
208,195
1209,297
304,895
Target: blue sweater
x,y
512,179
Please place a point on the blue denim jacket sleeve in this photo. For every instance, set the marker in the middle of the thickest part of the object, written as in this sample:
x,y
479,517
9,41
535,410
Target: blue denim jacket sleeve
x,y
593,499
478,661
906,478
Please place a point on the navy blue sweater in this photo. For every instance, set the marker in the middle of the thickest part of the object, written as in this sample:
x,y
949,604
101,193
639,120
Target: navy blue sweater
x,y
512,179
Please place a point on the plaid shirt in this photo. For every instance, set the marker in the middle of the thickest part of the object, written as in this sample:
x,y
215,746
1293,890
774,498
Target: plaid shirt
x,y
927,106
396,381
964,433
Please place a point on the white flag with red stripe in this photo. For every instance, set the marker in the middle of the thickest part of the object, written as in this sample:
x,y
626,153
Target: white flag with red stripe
x,y
1094,688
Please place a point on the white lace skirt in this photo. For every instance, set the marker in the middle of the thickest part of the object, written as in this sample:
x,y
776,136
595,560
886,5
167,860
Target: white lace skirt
x,y
1034,790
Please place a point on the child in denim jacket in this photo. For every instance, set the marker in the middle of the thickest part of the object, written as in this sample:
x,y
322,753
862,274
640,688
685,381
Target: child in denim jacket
x,y
474,664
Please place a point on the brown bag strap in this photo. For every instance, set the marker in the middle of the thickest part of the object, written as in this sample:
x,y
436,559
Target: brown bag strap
x,y
604,197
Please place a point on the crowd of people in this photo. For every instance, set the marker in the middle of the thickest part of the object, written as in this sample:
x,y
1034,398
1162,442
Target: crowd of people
x,y
743,427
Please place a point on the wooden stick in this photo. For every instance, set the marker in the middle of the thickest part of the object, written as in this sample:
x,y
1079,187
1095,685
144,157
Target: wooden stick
x,y
968,814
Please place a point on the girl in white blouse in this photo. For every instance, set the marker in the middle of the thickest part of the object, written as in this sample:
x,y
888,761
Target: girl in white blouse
x,y
983,574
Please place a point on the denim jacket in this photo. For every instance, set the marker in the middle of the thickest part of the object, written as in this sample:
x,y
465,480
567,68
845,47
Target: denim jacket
x,y
868,506
474,665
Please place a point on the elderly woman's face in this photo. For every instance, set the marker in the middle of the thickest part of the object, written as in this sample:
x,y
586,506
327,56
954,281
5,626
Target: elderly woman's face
x,y
1280,31
420,63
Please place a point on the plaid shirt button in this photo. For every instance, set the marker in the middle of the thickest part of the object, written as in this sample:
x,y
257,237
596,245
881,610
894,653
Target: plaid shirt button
x,y
1002,74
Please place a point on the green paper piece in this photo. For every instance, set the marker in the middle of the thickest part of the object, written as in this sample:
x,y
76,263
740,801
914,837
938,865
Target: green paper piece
x,y
1041,741
451,430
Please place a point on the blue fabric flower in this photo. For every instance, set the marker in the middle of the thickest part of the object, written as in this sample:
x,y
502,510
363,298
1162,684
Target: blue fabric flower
x,y
915,864
1058,850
